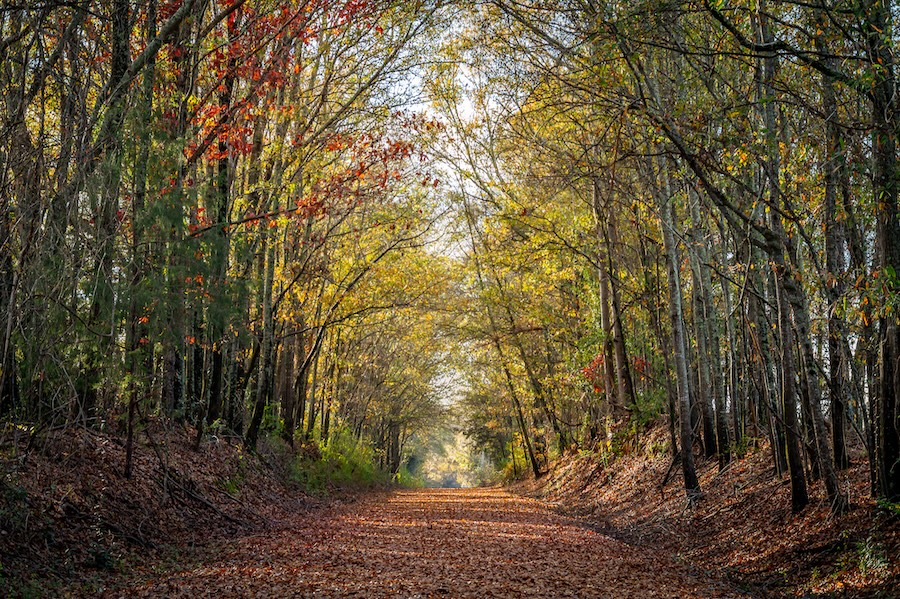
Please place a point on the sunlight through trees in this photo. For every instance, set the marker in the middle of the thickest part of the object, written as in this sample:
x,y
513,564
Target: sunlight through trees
x,y
303,219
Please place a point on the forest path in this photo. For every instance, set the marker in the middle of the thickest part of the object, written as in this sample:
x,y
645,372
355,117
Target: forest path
x,y
431,543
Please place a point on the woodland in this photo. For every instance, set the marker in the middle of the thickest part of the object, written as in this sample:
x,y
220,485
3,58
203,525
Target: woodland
x,y
261,256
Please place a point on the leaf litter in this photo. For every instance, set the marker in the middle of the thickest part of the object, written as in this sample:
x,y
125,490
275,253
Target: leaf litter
x,y
431,543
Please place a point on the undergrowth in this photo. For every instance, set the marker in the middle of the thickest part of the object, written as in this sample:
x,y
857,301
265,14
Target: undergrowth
x,y
344,462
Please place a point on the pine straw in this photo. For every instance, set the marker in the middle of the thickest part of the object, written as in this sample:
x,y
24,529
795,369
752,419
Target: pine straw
x,y
743,529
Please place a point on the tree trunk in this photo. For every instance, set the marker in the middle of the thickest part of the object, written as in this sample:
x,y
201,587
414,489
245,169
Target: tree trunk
x,y
614,406
713,343
735,391
101,320
291,349
220,242
665,206
885,120
510,384
799,495
627,395
703,379
537,388
654,291
826,466
136,356
313,390
835,265
9,387
267,350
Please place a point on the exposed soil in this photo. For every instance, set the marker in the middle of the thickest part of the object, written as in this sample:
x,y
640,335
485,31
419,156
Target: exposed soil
x,y
743,528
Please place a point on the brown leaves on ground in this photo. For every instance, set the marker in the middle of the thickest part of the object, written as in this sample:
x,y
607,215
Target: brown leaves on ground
x,y
743,528
430,543
216,522
68,516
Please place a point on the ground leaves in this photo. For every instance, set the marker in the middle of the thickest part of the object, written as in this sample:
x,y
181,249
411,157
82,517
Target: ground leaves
x,y
431,543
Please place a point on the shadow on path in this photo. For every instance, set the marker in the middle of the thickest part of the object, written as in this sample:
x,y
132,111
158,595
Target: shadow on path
x,y
433,543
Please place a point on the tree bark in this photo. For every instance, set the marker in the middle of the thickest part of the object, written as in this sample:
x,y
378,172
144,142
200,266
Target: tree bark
x,y
267,348
614,404
627,395
665,206
136,356
885,120
703,379
835,265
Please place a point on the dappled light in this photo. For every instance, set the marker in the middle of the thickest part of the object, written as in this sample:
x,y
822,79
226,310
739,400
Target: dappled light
x,y
430,543
305,297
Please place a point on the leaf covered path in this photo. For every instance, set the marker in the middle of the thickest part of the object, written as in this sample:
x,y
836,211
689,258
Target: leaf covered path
x,y
432,543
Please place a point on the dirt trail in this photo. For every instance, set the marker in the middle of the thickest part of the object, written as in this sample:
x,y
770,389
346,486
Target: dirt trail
x,y
430,543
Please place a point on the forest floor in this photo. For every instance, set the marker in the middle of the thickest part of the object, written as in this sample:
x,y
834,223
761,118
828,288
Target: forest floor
x,y
218,521
742,530
70,520
426,543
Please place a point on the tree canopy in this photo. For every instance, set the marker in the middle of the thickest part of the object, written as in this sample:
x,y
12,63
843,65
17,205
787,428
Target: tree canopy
x,y
543,226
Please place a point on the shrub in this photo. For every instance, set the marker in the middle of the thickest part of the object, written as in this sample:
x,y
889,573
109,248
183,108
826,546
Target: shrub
x,y
345,462
408,480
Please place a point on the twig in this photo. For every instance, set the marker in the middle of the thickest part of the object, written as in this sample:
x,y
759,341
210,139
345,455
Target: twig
x,y
665,479
229,495
173,476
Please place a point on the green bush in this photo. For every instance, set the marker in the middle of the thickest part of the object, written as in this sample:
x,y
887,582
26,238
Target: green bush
x,y
344,463
407,480
871,557
892,508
